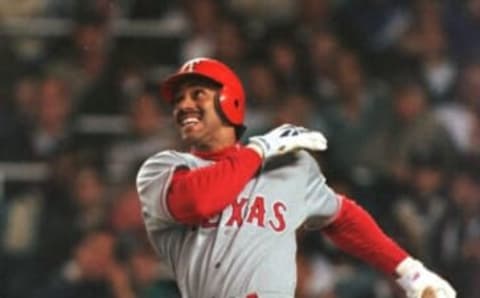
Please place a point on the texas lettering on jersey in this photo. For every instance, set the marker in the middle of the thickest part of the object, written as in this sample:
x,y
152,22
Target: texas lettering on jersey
x,y
256,214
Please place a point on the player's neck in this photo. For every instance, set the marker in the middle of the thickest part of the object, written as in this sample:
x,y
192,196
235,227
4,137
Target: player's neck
x,y
215,141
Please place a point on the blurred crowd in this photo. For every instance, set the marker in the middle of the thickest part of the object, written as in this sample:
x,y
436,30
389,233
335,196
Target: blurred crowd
x,y
394,85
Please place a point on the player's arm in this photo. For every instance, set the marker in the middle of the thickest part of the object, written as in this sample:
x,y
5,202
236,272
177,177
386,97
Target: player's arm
x,y
197,194
353,230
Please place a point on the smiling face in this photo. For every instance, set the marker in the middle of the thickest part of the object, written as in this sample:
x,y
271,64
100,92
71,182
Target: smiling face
x,y
196,117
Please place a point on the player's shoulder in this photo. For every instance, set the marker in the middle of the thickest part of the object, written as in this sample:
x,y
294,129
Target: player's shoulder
x,y
306,158
161,162
308,161
167,157
164,159
298,160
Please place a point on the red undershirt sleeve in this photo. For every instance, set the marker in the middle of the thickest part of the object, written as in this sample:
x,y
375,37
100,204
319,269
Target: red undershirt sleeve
x,y
195,195
356,232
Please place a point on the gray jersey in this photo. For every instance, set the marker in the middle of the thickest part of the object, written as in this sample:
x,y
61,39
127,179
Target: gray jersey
x,y
250,247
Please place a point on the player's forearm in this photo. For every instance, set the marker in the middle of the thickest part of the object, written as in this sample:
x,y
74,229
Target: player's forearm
x,y
195,195
357,233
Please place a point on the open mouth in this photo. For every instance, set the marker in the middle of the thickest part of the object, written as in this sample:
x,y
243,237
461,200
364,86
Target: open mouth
x,y
188,122
188,119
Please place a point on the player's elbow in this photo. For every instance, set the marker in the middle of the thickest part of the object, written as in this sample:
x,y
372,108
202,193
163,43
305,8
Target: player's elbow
x,y
189,209
200,210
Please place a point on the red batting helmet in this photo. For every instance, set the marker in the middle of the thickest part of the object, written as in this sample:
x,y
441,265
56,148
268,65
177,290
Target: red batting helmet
x,y
230,103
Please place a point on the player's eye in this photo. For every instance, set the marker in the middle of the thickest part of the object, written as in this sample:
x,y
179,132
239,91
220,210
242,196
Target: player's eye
x,y
177,99
178,96
198,94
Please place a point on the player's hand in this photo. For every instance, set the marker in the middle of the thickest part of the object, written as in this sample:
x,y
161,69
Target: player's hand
x,y
287,138
419,282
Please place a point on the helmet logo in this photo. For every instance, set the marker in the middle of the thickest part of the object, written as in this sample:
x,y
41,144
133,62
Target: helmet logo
x,y
190,65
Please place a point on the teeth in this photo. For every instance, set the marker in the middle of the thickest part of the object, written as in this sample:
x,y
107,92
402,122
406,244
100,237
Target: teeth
x,y
190,121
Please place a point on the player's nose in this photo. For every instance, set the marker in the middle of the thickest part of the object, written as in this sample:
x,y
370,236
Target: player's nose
x,y
185,102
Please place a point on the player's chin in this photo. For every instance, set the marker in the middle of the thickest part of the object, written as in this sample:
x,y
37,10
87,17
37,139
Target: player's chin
x,y
190,134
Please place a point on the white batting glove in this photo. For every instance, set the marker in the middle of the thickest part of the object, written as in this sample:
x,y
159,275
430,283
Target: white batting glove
x,y
287,138
419,282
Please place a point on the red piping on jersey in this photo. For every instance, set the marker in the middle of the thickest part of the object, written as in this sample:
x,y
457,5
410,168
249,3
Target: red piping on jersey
x,y
355,232
198,194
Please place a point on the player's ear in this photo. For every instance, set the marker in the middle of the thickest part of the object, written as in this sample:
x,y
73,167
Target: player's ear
x,y
218,108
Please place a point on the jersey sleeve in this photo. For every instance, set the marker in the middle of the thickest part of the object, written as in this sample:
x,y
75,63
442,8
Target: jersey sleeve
x,y
153,181
322,203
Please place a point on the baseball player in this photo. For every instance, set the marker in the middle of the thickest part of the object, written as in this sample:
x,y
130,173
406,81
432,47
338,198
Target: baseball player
x,y
224,214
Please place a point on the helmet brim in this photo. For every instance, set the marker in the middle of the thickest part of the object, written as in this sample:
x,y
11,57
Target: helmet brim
x,y
169,86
